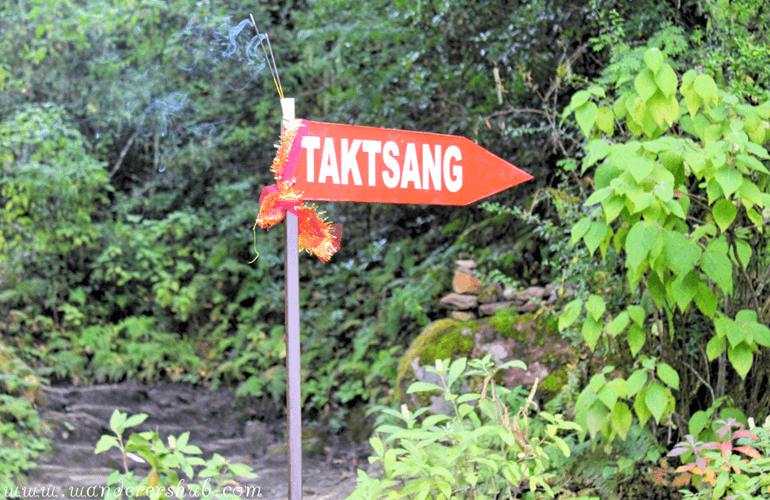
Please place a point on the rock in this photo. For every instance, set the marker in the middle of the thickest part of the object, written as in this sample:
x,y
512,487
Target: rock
x,y
492,293
459,301
462,316
464,282
529,307
492,308
466,264
445,338
533,292
509,293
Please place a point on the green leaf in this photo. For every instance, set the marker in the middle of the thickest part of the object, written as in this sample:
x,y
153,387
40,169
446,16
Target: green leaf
x,y
751,162
729,179
605,120
705,87
706,300
570,314
665,78
596,417
656,399
636,338
423,387
636,382
640,167
598,196
595,306
579,230
586,117
640,407
645,84
618,324
116,421
579,98
621,419
455,370
591,331
741,357
724,214
653,58
595,235
105,443
715,347
719,268
135,420
668,376
637,314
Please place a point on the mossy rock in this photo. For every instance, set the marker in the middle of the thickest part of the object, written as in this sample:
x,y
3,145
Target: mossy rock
x,y
442,339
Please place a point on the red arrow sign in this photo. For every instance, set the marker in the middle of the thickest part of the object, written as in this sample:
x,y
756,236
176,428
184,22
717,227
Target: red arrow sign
x,y
366,164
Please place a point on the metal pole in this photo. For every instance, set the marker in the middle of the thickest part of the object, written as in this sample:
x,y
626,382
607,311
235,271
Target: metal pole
x,y
293,397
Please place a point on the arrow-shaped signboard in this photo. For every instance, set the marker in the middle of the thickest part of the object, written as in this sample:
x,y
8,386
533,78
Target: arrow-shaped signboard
x,y
377,165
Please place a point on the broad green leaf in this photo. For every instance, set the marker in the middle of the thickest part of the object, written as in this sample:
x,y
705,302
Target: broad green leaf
x,y
586,117
637,247
636,381
751,162
621,419
692,100
636,338
591,331
594,236
684,288
596,418
605,120
456,369
580,229
105,443
608,396
715,347
664,109
719,268
697,423
640,407
729,179
598,196
668,375
595,306
570,314
656,399
612,207
665,78
653,58
637,314
741,357
640,167
117,421
706,300
423,387
704,85
618,324
645,84
724,214
744,251
579,98
596,150
135,420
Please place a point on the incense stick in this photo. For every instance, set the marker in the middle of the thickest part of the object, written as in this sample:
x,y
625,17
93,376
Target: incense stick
x,y
269,60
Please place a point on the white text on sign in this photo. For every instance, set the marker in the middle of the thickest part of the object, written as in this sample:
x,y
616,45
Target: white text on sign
x,y
339,163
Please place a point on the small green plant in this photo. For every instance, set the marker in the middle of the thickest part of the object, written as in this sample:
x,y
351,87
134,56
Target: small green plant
x,y
717,470
493,445
216,479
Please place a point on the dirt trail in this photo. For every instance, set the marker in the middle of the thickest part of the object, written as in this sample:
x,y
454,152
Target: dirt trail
x,y
218,423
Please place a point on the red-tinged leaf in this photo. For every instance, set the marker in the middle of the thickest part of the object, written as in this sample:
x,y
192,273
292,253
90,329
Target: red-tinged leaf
x,y
678,451
684,468
713,445
748,450
700,463
726,447
682,480
744,434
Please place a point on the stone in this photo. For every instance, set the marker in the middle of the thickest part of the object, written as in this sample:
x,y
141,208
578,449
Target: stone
x,y
533,292
460,302
462,315
492,308
509,293
465,264
529,307
492,293
466,283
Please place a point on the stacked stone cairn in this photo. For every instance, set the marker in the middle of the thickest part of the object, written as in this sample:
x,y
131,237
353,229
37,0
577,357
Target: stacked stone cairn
x,y
471,299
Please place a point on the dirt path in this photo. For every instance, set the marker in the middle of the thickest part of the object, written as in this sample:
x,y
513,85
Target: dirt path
x,y
218,423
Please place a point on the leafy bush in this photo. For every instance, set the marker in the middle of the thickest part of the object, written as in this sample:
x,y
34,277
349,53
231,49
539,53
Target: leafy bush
x,y
717,470
680,192
490,446
215,477
22,436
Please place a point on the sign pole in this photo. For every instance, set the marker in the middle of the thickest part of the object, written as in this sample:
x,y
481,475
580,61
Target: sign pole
x,y
293,397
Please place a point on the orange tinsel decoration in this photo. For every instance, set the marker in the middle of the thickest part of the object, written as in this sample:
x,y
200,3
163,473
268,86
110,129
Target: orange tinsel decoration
x,y
314,232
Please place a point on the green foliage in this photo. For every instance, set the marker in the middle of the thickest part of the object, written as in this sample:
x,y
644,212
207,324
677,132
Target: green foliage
x,y
490,446
22,436
216,478
681,188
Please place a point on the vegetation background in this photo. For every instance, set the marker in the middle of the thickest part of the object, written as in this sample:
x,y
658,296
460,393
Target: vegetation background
x,y
135,140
